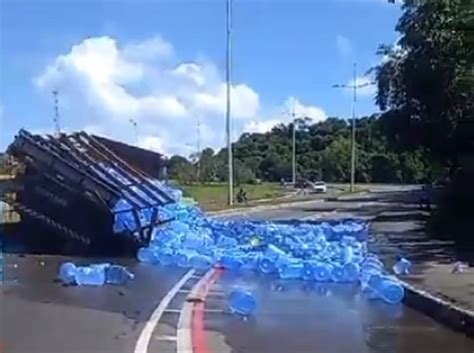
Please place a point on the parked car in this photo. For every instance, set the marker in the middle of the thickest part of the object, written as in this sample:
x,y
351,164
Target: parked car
x,y
319,186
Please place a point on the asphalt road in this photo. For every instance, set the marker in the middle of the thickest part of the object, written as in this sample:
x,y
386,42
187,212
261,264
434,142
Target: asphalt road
x,y
40,315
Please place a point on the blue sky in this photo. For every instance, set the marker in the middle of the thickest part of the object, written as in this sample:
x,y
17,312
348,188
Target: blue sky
x,y
162,63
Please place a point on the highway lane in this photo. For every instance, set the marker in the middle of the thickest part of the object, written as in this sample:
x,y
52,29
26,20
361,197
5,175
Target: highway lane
x,y
41,315
306,317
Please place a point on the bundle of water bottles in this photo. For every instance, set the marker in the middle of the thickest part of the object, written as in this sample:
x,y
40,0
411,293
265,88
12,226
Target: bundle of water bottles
x,y
323,252
94,275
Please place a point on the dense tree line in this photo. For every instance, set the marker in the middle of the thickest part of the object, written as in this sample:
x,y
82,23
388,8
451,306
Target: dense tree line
x,y
323,152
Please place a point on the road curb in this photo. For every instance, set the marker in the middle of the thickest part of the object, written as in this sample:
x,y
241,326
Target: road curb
x,y
439,309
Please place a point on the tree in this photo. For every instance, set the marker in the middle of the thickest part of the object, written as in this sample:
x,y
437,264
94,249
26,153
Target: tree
x,y
422,81
180,169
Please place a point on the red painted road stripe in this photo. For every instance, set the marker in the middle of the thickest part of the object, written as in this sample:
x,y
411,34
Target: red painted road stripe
x,y
198,333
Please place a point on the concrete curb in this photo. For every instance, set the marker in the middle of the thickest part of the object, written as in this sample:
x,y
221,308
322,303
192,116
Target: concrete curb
x,y
439,309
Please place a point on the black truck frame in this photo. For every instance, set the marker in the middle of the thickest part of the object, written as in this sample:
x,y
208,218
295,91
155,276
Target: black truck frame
x,y
70,186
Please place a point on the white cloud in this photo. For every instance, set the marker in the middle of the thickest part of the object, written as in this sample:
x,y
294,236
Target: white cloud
x,y
150,49
291,105
103,84
344,45
152,143
261,126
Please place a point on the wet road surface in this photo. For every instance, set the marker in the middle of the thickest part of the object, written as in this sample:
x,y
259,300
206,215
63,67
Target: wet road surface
x,y
40,315
307,317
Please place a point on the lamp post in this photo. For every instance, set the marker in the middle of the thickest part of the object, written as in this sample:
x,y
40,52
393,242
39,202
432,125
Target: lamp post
x,y
228,105
354,88
135,128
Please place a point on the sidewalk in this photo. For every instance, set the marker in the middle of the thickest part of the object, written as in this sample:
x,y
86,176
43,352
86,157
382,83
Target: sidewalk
x,y
399,228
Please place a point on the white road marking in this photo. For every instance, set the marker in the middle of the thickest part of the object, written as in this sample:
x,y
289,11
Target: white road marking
x,y
146,334
166,338
172,311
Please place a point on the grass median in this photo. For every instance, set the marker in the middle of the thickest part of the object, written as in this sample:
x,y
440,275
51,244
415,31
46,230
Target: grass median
x,y
213,197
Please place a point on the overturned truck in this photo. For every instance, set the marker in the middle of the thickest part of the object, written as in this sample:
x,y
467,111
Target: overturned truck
x,y
75,194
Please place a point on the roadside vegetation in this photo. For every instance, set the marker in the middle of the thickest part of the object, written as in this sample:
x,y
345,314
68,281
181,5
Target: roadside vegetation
x,y
213,196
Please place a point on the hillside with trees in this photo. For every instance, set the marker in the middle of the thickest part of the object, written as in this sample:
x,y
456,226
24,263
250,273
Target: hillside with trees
x,y
323,153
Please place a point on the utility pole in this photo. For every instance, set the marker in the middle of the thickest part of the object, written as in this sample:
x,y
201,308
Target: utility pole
x,y
293,155
353,144
354,88
228,105
198,146
57,128
135,128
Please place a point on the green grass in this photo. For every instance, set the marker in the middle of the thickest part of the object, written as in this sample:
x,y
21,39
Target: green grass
x,y
213,197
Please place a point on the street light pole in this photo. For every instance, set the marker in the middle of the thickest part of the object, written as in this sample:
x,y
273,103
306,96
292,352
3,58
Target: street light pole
x,y
354,88
293,161
228,105
135,128
353,138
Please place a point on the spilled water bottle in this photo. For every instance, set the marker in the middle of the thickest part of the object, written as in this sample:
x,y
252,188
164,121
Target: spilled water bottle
x,y
266,265
242,302
183,257
147,255
231,262
166,256
201,262
351,272
322,272
292,270
308,271
389,290
90,275
402,267
116,274
67,273
338,273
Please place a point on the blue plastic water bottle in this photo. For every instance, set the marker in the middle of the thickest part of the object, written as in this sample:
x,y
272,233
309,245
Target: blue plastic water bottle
x,y
266,265
274,252
67,272
147,255
309,271
231,262
322,272
351,272
292,270
338,274
347,254
183,257
389,290
166,256
116,274
402,267
90,276
226,242
201,262
242,302
250,261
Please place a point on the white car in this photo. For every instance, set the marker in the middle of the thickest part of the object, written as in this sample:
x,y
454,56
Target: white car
x,y
319,186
